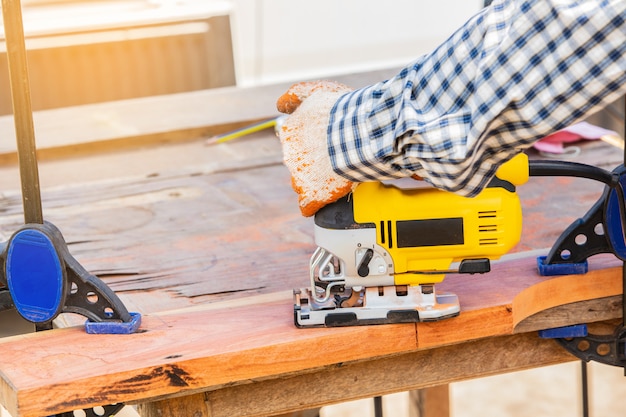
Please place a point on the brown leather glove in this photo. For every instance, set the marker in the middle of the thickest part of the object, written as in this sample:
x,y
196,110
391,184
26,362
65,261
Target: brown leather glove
x,y
304,142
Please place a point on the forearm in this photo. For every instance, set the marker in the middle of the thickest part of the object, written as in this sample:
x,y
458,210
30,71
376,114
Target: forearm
x,y
512,74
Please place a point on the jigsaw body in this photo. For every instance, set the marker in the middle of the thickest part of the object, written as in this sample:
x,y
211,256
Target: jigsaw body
x,y
382,249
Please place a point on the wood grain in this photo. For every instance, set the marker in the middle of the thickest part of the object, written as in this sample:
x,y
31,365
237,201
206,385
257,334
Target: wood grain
x,y
177,354
220,247
183,353
414,370
222,240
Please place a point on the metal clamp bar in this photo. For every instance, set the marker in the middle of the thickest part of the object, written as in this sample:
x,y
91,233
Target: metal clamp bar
x,y
22,110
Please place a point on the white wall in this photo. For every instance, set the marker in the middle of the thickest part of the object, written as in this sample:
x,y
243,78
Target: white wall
x,y
290,40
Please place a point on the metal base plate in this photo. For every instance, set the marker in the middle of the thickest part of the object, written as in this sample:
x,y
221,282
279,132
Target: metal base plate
x,y
305,316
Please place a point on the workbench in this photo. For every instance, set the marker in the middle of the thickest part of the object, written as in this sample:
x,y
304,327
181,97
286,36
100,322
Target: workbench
x,y
207,242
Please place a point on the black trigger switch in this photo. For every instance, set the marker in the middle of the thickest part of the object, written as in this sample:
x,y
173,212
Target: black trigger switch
x,y
363,269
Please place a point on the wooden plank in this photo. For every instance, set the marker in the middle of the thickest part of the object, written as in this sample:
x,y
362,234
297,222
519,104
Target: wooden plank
x,y
415,370
168,239
177,240
580,312
498,302
184,353
208,236
190,405
197,405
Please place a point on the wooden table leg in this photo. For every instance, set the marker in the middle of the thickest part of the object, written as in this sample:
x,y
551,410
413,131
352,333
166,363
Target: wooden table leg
x,y
430,402
188,406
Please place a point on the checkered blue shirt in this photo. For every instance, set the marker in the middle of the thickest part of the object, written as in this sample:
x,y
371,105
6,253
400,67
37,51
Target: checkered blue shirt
x,y
514,73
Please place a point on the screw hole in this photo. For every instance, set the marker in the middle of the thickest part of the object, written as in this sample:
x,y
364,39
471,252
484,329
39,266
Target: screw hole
x,y
599,229
92,297
603,349
580,239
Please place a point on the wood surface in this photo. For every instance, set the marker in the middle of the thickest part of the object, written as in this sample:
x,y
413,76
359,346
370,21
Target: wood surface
x,y
182,353
221,250
410,371
227,227
210,253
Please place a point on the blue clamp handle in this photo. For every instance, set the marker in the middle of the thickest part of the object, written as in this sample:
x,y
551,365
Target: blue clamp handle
x,y
576,330
114,327
35,274
44,280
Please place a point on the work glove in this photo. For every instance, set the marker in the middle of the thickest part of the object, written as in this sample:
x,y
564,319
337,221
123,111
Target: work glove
x,y
304,143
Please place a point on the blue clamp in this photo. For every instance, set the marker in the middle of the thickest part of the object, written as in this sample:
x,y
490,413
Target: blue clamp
x,y
114,327
45,280
561,269
576,330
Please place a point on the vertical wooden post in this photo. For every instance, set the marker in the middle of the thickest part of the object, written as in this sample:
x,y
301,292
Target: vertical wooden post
x,y
22,110
188,406
196,405
430,402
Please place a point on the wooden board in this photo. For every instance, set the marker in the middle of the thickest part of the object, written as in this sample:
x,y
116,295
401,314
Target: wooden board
x,y
224,244
349,381
206,349
221,245
225,228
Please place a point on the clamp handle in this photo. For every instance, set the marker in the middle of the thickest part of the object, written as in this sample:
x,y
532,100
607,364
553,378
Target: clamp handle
x,y
44,280
601,230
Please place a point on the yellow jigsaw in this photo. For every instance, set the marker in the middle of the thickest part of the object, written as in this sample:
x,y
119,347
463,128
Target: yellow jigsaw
x,y
382,249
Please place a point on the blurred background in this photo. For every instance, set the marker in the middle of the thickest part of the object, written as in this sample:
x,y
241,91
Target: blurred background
x,y
101,50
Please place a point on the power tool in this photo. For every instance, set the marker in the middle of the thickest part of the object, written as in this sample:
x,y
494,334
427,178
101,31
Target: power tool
x,y
382,249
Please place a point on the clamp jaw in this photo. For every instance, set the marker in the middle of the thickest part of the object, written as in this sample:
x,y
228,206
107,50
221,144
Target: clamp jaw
x,y
601,230
44,280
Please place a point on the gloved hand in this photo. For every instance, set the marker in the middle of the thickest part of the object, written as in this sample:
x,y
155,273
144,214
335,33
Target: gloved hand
x,y
305,149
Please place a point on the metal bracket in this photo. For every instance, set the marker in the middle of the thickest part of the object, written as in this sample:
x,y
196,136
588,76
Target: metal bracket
x,y
609,349
606,349
103,411
601,230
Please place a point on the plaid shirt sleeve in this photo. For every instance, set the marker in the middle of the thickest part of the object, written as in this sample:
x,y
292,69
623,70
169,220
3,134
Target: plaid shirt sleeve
x,y
514,73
